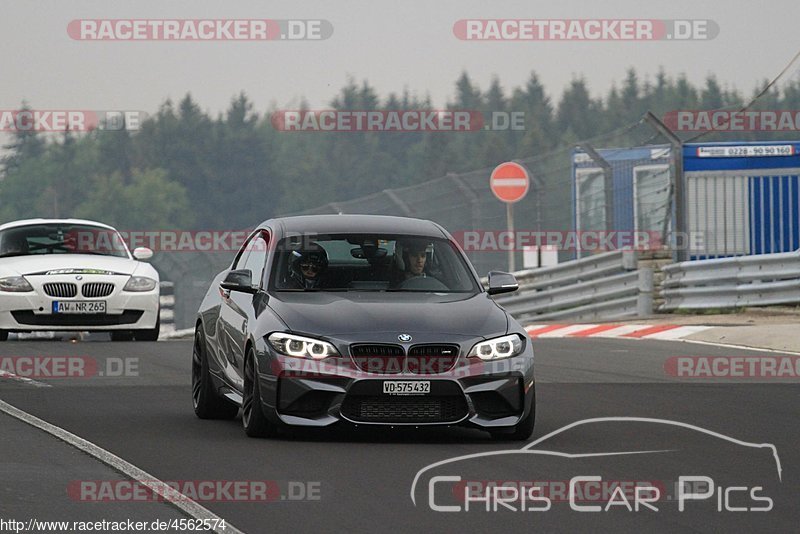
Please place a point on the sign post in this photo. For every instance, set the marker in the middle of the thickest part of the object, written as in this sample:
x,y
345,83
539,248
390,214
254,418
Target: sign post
x,y
509,183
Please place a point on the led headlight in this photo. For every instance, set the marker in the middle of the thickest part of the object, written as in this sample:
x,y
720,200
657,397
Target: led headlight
x,y
497,348
140,283
301,347
15,284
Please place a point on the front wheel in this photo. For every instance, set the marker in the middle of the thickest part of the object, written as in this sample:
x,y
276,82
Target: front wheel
x,y
520,431
3,335
256,424
207,404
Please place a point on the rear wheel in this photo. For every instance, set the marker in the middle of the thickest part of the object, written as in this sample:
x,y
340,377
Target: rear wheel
x,y
521,430
207,404
121,335
256,424
3,335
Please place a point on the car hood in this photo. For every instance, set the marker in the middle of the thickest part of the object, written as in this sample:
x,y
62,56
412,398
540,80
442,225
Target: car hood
x,y
333,313
42,263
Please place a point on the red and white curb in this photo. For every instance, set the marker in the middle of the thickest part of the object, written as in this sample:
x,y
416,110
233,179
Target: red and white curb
x,y
625,331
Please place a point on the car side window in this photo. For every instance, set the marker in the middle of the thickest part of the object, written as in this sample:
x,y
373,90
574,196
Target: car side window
x,y
256,258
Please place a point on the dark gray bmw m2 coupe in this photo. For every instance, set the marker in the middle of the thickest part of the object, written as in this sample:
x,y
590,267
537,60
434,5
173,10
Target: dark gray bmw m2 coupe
x,y
360,319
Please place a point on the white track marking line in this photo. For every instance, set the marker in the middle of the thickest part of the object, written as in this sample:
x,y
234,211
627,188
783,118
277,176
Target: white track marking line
x,y
23,379
621,330
677,333
570,329
170,495
534,327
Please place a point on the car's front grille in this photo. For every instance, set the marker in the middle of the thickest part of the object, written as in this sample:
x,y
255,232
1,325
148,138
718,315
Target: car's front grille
x,y
431,359
410,409
27,317
97,289
391,359
60,289
385,359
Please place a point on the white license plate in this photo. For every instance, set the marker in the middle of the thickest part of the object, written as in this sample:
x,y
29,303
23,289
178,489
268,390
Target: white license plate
x,y
407,387
79,307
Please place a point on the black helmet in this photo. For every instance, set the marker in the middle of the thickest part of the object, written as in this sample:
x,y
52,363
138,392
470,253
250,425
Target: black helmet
x,y
311,254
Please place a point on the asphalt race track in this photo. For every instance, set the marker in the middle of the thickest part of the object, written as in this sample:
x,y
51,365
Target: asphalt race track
x,y
360,480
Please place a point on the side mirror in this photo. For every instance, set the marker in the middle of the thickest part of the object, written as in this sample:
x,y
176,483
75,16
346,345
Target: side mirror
x,y
239,280
500,282
142,253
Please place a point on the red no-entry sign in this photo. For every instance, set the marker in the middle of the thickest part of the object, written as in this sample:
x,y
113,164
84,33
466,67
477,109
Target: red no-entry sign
x,y
509,182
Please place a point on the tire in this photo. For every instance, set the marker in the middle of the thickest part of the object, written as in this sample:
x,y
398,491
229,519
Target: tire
x,y
207,404
150,334
522,430
3,335
122,335
255,423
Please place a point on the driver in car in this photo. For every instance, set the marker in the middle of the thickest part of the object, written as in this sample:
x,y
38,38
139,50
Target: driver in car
x,y
16,246
307,266
415,256
414,260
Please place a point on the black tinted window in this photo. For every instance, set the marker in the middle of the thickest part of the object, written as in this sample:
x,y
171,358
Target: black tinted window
x,y
361,262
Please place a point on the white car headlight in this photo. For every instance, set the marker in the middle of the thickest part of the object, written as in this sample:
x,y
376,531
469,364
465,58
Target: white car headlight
x,y
140,283
15,284
301,347
497,348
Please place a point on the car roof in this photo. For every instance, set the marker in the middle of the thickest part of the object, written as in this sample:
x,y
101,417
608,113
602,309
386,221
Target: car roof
x,y
29,222
373,224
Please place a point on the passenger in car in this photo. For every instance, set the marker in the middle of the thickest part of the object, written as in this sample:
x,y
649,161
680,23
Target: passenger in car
x,y
308,267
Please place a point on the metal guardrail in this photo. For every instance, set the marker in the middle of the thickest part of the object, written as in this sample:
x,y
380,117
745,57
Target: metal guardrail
x,y
758,280
605,286
166,302
596,266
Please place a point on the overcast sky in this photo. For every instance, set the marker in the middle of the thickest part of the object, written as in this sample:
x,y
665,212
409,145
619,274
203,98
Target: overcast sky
x,y
392,44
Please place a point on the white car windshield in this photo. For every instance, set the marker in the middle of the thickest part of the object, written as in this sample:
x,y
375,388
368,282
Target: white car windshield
x,y
60,238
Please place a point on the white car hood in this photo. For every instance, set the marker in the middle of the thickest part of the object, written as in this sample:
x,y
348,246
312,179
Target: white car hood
x,y
42,263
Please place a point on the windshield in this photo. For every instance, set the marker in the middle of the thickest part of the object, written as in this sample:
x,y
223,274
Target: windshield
x,y
60,239
360,262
